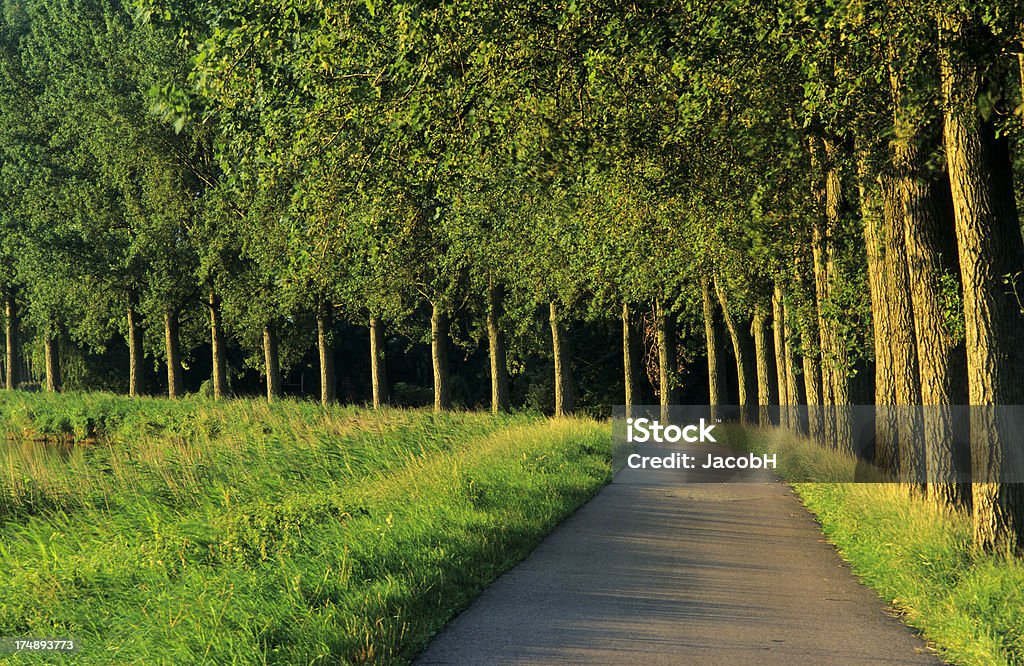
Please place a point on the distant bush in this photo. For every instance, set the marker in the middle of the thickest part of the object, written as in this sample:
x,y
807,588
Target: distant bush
x,y
412,395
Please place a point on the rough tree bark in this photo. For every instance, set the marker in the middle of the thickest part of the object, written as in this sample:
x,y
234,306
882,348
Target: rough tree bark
x,y
629,360
325,347
758,331
933,268
991,256
711,345
271,363
838,356
136,370
51,348
563,373
439,358
11,335
834,362
666,334
789,359
174,386
745,380
886,445
903,344
781,376
807,319
824,343
496,344
812,393
217,346
378,363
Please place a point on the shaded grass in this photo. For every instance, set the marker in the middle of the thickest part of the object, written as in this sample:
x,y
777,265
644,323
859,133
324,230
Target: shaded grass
x,y
968,605
282,534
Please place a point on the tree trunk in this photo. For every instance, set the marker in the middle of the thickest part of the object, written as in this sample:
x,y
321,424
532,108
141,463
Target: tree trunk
x,y
744,379
563,373
496,342
812,393
906,378
789,358
820,292
781,375
378,363
838,357
326,349
809,341
136,378
629,360
933,268
666,359
51,344
217,347
174,388
11,315
711,344
439,358
991,256
880,246
758,330
826,365
1020,71
271,363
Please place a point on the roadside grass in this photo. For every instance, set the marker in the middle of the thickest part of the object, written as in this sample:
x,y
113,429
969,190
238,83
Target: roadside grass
x,y
237,532
968,605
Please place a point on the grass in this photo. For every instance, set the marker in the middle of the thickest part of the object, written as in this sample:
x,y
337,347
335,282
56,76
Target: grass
x,y
968,605
197,532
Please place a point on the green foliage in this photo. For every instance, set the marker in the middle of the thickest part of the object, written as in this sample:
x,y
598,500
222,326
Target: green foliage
x,y
363,159
951,297
349,160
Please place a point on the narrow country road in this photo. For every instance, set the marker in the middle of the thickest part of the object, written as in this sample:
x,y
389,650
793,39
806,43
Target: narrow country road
x,y
655,571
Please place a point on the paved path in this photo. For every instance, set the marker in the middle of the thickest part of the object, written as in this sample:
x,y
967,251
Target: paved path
x,y
653,571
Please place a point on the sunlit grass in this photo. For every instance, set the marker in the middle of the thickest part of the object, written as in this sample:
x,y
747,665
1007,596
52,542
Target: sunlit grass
x,y
238,532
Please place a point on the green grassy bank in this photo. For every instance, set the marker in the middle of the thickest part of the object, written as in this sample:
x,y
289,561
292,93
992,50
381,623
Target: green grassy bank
x,y
969,605
199,532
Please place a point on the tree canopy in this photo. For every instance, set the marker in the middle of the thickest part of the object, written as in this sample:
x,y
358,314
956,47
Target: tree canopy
x,y
768,203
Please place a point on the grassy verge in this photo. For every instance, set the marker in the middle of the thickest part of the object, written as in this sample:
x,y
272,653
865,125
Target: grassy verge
x,y
198,532
970,606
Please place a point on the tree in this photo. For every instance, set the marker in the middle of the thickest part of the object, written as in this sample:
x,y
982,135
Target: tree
x,y
991,253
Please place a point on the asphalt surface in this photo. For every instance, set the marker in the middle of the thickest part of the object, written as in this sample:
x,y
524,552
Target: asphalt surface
x,y
657,571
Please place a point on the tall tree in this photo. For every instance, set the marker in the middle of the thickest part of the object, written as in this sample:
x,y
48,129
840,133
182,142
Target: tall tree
x,y
991,253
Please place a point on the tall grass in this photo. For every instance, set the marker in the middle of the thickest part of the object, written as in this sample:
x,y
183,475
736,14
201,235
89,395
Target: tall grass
x,y
969,605
236,532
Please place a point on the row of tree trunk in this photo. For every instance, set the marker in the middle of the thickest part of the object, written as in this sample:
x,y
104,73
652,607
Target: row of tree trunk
x,y
439,322
940,244
51,349
761,380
